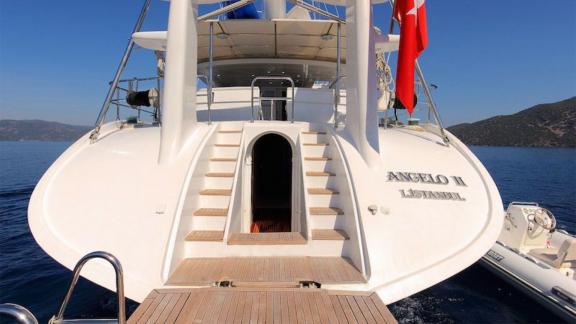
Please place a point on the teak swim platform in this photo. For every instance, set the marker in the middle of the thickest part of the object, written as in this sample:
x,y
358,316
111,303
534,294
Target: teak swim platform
x,y
261,305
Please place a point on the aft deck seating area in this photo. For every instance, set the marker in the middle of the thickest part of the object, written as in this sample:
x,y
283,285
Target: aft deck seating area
x,y
324,270
262,305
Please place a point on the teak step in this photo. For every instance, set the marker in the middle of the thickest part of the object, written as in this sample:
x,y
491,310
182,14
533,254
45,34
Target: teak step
x,y
317,158
326,211
329,234
227,145
319,174
314,133
207,236
216,192
286,238
229,131
322,191
316,144
220,174
211,212
223,159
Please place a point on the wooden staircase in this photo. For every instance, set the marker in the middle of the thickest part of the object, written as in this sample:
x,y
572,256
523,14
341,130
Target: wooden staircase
x,y
214,199
323,194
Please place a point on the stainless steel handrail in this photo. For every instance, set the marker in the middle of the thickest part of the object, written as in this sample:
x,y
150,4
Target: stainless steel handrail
x,y
336,81
432,105
21,314
118,101
210,72
59,318
271,78
336,86
119,70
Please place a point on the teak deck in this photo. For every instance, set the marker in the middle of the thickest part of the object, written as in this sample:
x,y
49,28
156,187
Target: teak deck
x,y
324,270
243,305
278,238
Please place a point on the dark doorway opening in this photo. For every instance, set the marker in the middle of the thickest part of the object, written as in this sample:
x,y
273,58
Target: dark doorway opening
x,y
273,110
271,185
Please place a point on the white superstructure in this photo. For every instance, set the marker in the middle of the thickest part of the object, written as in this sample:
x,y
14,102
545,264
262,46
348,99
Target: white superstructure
x,y
285,144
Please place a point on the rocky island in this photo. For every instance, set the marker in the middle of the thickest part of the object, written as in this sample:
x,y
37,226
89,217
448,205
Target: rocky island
x,y
39,130
544,125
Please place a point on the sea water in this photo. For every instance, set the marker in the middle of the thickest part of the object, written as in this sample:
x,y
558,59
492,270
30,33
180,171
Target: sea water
x,y
29,277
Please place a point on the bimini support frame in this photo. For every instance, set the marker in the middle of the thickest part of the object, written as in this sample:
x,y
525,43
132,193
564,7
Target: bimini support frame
x,y
119,71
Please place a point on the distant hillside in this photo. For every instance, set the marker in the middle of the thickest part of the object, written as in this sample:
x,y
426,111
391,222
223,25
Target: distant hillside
x,y
545,125
39,130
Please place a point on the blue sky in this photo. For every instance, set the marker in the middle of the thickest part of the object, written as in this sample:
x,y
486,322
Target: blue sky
x,y
487,57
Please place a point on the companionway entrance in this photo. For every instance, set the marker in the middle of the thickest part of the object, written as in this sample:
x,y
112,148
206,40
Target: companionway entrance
x,y
271,185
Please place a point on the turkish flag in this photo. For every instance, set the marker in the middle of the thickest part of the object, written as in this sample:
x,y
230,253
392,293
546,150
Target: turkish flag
x,y
411,15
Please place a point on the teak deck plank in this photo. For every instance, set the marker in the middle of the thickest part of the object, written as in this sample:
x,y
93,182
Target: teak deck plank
x,y
227,145
220,174
322,191
229,131
253,271
319,174
266,238
326,211
208,236
317,158
216,192
329,234
211,212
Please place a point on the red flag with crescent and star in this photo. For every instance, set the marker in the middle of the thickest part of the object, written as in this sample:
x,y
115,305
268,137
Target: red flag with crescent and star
x,y
411,15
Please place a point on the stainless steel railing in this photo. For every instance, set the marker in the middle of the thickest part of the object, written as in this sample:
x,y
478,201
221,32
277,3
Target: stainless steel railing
x,y
133,84
119,71
272,99
59,318
335,84
19,313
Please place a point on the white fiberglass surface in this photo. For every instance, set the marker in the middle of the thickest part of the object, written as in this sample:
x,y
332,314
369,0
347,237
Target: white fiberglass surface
x,y
423,229
112,196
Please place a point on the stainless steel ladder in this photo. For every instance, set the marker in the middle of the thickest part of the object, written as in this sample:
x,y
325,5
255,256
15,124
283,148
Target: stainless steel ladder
x,y
24,316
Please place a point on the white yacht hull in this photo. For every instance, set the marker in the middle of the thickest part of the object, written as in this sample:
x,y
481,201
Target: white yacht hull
x,y
406,234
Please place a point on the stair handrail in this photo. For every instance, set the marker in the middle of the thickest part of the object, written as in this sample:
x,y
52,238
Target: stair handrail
x,y
20,313
59,318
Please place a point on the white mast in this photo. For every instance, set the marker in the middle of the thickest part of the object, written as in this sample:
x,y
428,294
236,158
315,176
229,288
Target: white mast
x,y
361,92
275,9
179,99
